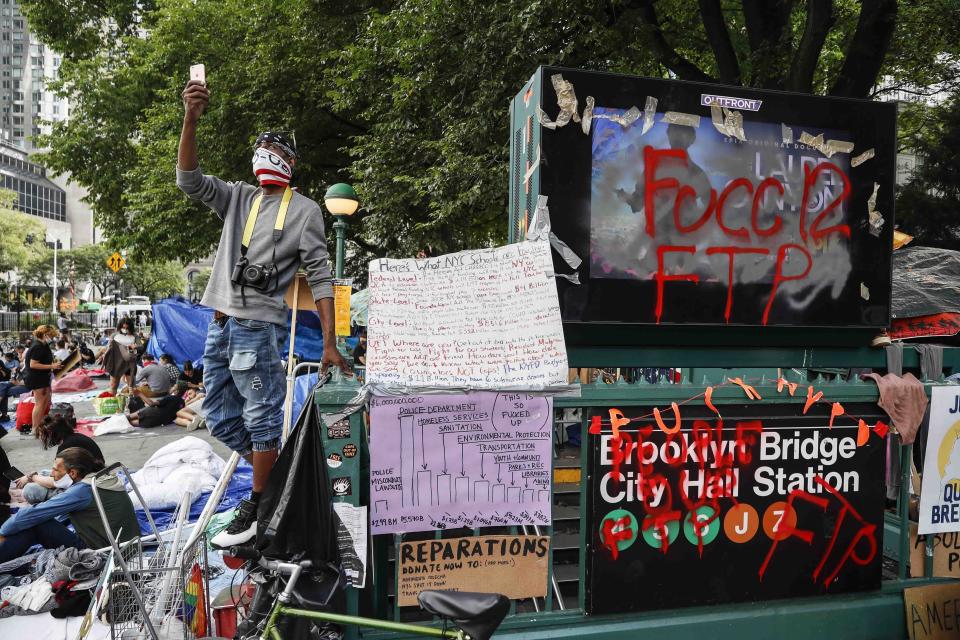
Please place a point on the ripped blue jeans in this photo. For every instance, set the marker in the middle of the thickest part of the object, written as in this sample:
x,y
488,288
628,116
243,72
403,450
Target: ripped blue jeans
x,y
244,381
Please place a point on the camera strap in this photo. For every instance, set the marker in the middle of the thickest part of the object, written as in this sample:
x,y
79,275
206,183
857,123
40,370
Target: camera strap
x,y
251,223
255,212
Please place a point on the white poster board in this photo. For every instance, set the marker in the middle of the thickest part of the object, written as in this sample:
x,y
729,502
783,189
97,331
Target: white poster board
x,y
487,319
940,493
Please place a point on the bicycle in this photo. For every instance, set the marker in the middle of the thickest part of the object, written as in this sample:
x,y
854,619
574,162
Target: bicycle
x,y
477,615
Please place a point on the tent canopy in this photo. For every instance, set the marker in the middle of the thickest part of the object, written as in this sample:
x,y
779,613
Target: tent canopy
x,y
926,281
180,330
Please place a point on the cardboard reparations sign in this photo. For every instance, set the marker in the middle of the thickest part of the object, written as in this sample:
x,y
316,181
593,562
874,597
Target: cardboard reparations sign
x,y
515,566
933,612
940,494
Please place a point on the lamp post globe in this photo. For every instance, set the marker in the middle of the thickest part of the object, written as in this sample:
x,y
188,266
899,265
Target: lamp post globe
x,y
341,201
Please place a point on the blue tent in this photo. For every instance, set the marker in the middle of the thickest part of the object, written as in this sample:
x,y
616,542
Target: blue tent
x,y
180,329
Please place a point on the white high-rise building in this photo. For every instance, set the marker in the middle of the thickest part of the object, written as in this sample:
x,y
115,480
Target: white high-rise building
x,y
26,109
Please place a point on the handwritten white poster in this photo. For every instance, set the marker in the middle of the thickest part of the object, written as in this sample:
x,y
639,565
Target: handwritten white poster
x,y
485,319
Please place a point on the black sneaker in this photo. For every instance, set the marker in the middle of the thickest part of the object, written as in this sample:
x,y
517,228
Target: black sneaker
x,y
241,530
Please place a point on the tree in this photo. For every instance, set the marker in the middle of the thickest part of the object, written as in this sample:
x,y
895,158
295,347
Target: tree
x,y
199,282
89,264
407,98
928,205
15,228
37,270
154,279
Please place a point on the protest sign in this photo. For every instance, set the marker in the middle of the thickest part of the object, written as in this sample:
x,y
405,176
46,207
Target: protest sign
x,y
946,554
933,612
940,493
341,305
485,319
515,566
480,459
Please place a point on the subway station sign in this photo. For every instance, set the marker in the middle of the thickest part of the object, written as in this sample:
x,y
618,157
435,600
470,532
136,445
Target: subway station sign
x,y
764,504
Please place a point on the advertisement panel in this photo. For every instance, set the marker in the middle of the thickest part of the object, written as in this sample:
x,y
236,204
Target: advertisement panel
x,y
692,203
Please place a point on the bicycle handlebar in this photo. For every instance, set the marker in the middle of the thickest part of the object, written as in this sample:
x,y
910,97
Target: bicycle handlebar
x,y
245,553
251,553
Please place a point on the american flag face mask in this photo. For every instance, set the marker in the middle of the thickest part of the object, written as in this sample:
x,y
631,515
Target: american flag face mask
x,y
270,169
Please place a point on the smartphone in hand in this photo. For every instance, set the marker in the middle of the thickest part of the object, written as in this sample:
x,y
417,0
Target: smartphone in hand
x,y
198,72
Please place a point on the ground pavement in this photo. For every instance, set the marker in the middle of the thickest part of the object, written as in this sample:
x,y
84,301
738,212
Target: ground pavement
x,y
27,454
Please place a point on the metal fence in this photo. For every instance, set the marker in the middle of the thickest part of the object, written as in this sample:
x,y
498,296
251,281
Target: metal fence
x,y
29,320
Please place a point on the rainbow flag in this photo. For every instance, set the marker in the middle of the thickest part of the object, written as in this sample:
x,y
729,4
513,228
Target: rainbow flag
x,y
194,611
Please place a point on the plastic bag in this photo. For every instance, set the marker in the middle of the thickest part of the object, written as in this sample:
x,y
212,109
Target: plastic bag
x,y
113,424
296,514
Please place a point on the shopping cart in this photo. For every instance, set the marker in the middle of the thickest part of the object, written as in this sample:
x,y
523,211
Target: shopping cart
x,y
162,592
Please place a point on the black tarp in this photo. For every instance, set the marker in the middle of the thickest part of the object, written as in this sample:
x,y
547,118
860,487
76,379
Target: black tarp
x,y
926,281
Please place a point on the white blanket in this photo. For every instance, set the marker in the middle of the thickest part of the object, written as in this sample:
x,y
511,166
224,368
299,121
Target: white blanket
x,y
45,627
187,464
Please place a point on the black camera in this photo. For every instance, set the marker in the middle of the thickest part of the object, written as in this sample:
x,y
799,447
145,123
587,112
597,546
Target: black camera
x,y
256,276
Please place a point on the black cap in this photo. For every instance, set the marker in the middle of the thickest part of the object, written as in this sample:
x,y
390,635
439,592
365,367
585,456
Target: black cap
x,y
289,147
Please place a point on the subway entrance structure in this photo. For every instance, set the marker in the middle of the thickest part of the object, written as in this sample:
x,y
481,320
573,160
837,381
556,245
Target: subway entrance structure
x,y
727,251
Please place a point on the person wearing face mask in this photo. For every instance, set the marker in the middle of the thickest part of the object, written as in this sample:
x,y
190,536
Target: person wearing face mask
x,y
74,470
269,232
40,366
120,357
56,431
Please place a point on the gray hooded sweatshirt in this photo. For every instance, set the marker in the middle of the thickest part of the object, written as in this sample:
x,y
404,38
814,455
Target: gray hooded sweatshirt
x,y
302,243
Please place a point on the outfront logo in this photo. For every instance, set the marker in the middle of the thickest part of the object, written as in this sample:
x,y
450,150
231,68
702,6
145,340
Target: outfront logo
x,y
707,100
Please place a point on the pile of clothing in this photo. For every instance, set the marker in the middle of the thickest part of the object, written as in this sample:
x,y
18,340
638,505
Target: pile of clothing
x,y
185,465
56,580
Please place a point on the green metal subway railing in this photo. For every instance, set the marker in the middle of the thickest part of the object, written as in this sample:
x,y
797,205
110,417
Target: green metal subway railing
x,y
875,611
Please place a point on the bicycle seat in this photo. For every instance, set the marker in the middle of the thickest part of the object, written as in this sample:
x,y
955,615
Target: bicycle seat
x,y
478,614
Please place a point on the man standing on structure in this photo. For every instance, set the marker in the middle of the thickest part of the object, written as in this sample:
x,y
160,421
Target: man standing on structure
x,y
269,232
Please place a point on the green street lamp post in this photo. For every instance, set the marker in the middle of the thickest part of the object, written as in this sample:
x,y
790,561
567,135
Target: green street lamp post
x,y
341,201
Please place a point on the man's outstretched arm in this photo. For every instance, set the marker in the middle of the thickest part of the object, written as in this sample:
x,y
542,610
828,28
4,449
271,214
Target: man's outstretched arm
x,y
195,100
212,191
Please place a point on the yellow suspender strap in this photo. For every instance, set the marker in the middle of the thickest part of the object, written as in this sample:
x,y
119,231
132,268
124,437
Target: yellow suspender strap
x,y
255,211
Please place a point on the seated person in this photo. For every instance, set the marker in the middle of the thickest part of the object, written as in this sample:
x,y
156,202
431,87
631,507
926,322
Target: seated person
x,y
191,416
10,386
41,524
87,356
153,380
193,377
62,352
166,361
10,362
156,411
55,431
360,351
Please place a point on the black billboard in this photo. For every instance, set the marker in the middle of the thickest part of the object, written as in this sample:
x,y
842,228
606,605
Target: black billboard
x,y
787,507
693,203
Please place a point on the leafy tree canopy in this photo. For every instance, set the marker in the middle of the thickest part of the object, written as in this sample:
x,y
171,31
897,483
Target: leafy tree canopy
x,y
928,206
407,99
15,229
